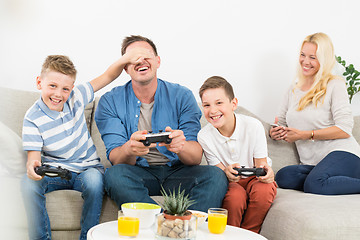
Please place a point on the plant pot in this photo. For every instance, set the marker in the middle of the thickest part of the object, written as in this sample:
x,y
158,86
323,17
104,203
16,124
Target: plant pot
x,y
175,228
186,216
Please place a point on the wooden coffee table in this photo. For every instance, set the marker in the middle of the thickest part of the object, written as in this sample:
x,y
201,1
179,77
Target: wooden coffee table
x,y
108,231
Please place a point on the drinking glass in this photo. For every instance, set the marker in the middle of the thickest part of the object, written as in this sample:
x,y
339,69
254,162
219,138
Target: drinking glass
x,y
217,219
128,226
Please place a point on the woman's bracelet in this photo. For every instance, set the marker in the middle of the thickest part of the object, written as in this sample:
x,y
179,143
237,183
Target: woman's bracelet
x,y
312,135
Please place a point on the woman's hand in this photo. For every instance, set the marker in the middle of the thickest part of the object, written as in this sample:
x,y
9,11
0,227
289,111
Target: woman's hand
x,y
293,134
277,132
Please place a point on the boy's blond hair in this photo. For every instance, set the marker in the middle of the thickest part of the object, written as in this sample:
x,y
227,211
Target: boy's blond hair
x,y
217,82
59,63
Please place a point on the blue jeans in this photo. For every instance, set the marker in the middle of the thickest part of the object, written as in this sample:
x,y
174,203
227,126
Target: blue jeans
x,y
338,173
89,183
205,184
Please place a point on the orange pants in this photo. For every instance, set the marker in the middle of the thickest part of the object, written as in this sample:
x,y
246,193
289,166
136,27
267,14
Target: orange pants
x,y
248,202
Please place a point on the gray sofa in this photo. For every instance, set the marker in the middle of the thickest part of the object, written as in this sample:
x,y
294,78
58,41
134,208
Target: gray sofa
x,y
293,215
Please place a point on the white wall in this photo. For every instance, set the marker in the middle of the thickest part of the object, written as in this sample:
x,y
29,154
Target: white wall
x,y
253,44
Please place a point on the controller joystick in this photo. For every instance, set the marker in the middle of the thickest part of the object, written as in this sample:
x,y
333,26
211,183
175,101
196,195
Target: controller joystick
x,y
156,137
250,171
46,170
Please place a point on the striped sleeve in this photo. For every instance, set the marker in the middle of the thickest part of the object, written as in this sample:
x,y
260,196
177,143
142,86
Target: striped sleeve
x,y
32,140
84,93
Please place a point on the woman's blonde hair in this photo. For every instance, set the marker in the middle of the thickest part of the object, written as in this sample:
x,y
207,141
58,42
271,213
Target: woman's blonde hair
x,y
326,57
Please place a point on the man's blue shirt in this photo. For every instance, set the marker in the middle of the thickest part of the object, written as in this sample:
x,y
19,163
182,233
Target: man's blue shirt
x,y
118,112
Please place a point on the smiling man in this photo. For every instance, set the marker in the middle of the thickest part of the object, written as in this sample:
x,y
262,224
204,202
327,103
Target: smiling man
x,y
147,103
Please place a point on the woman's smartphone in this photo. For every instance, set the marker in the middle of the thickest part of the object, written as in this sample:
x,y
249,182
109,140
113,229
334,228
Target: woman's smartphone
x,y
274,125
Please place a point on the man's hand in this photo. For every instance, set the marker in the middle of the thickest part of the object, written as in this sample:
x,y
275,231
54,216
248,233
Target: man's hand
x,y
189,152
137,148
127,153
178,140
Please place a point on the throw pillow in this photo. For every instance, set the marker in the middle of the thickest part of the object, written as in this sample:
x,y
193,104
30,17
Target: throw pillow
x,y
12,156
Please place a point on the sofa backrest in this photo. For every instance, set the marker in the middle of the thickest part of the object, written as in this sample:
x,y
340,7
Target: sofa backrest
x,y
15,103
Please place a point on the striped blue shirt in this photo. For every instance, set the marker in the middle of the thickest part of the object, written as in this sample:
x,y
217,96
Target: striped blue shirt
x,y
62,137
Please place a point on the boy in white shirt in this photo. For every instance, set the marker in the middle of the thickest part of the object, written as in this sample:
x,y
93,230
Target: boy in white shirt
x,y
235,140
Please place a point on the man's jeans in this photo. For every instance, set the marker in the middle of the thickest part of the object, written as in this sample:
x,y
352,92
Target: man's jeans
x,y
337,173
207,185
89,182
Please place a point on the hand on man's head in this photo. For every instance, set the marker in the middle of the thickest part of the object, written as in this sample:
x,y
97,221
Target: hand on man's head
x,y
137,55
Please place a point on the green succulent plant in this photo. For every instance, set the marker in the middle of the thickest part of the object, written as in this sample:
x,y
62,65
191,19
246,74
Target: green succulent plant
x,y
352,78
176,203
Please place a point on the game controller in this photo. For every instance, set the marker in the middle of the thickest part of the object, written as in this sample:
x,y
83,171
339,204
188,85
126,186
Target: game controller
x,y
156,137
250,171
46,170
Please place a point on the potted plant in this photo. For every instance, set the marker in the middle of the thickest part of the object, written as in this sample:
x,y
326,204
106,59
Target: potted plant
x,y
176,205
352,78
176,222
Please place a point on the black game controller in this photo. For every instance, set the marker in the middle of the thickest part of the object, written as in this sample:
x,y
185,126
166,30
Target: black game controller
x,y
250,171
46,170
156,137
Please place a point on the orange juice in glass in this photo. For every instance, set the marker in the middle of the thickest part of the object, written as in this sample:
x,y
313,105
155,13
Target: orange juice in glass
x,y
128,226
217,219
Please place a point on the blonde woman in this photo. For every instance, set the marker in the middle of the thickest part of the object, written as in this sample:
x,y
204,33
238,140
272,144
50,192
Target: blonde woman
x,y
316,115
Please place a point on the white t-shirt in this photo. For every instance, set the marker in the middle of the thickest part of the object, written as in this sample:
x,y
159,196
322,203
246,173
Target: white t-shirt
x,y
246,143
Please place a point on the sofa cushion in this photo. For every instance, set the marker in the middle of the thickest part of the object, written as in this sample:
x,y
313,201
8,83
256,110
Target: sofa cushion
x,y
280,152
299,215
12,156
13,222
67,215
96,137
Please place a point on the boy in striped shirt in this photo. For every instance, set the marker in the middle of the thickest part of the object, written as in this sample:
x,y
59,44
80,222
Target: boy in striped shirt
x,y
55,133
